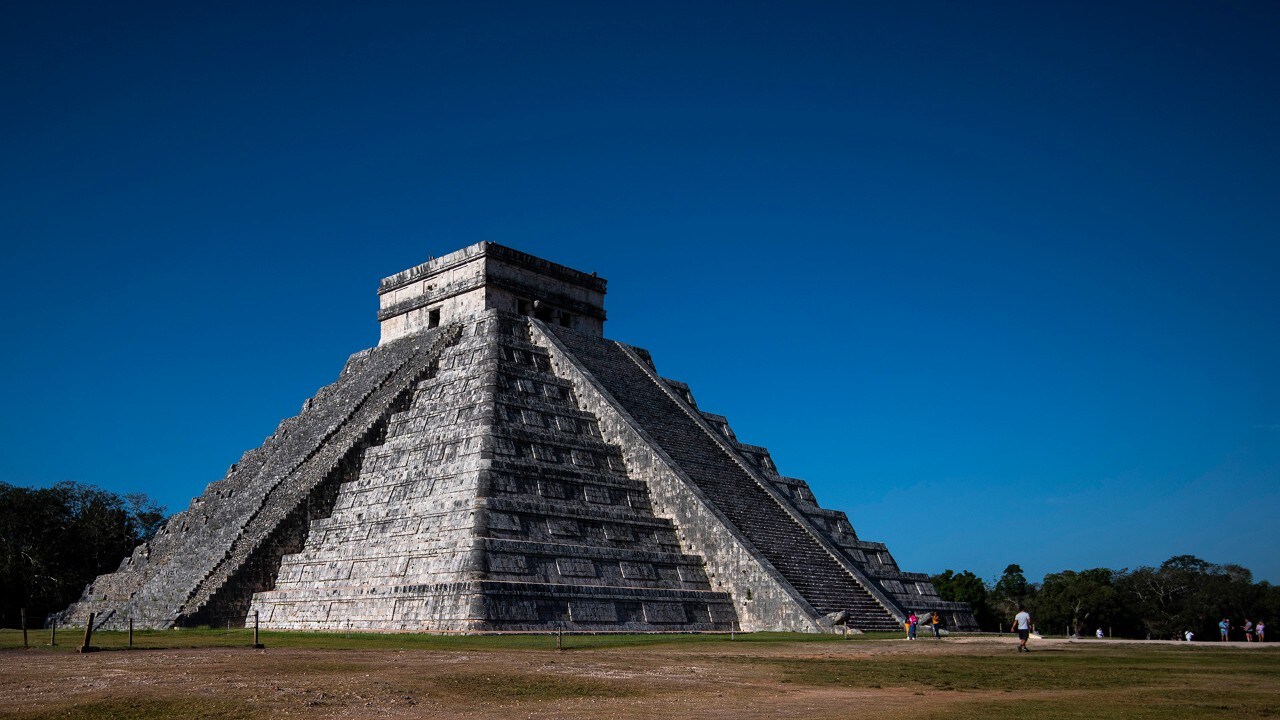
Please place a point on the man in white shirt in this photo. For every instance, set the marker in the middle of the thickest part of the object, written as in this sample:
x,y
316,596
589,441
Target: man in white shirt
x,y
1022,623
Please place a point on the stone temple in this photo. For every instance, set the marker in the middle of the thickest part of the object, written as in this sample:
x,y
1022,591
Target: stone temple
x,y
496,464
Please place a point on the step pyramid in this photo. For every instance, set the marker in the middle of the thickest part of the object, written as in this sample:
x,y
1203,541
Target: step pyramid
x,y
496,464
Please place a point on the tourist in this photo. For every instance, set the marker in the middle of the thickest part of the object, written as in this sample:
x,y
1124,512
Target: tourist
x,y
1223,628
1248,630
1022,623
1099,633
935,622
912,621
1189,636
1260,630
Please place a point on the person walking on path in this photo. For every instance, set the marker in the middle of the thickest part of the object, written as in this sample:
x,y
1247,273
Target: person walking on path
x,y
1260,630
935,621
1022,624
912,621
1223,628
1248,630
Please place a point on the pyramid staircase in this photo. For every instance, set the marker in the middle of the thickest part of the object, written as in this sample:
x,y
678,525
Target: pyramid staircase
x,y
785,541
493,504
206,561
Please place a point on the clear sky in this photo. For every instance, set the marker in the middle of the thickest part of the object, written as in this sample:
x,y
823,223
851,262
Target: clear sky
x,y
997,279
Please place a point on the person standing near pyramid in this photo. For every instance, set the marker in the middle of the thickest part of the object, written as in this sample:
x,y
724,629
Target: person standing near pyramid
x,y
1022,624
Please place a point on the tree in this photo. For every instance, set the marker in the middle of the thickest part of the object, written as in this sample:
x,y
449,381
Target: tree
x,y
1011,591
1159,597
147,514
968,588
1071,598
960,587
55,540
1013,584
1188,593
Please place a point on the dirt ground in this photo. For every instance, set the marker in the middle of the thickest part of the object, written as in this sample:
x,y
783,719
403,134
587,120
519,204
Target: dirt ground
x,y
881,679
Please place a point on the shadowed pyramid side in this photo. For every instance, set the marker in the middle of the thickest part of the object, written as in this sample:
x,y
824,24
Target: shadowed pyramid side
x,y
909,590
779,537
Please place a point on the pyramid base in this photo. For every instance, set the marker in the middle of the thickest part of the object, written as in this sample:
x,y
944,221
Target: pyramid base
x,y
485,606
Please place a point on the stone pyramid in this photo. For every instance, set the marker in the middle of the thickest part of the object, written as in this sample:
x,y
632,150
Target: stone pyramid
x,y
495,464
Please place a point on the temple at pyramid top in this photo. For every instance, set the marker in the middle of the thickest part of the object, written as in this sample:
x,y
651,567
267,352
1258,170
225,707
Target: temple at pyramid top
x,y
496,464
489,276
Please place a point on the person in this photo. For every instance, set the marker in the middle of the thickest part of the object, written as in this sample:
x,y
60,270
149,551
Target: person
x,y
1189,635
912,621
935,621
1022,624
1099,633
1260,630
1248,630
1223,628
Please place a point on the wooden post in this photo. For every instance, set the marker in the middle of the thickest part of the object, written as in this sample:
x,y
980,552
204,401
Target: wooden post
x,y
559,639
130,633
88,636
53,633
24,628
256,645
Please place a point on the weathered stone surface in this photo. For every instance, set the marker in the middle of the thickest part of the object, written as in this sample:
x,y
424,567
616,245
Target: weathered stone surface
x,y
488,276
169,580
496,464
508,519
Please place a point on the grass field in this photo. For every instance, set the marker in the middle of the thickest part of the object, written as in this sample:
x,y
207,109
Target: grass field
x,y
68,640
200,674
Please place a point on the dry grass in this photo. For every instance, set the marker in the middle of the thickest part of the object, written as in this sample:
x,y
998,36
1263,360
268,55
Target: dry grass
x,y
646,677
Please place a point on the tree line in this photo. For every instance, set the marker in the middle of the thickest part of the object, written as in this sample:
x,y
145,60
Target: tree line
x,y
1183,593
55,540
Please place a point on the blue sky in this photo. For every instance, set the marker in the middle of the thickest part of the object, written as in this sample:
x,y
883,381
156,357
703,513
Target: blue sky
x,y
997,279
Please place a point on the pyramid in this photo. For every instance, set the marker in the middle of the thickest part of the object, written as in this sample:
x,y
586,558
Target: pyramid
x,y
496,464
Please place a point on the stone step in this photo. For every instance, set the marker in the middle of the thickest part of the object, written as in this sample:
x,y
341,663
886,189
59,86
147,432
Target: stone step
x,y
757,515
